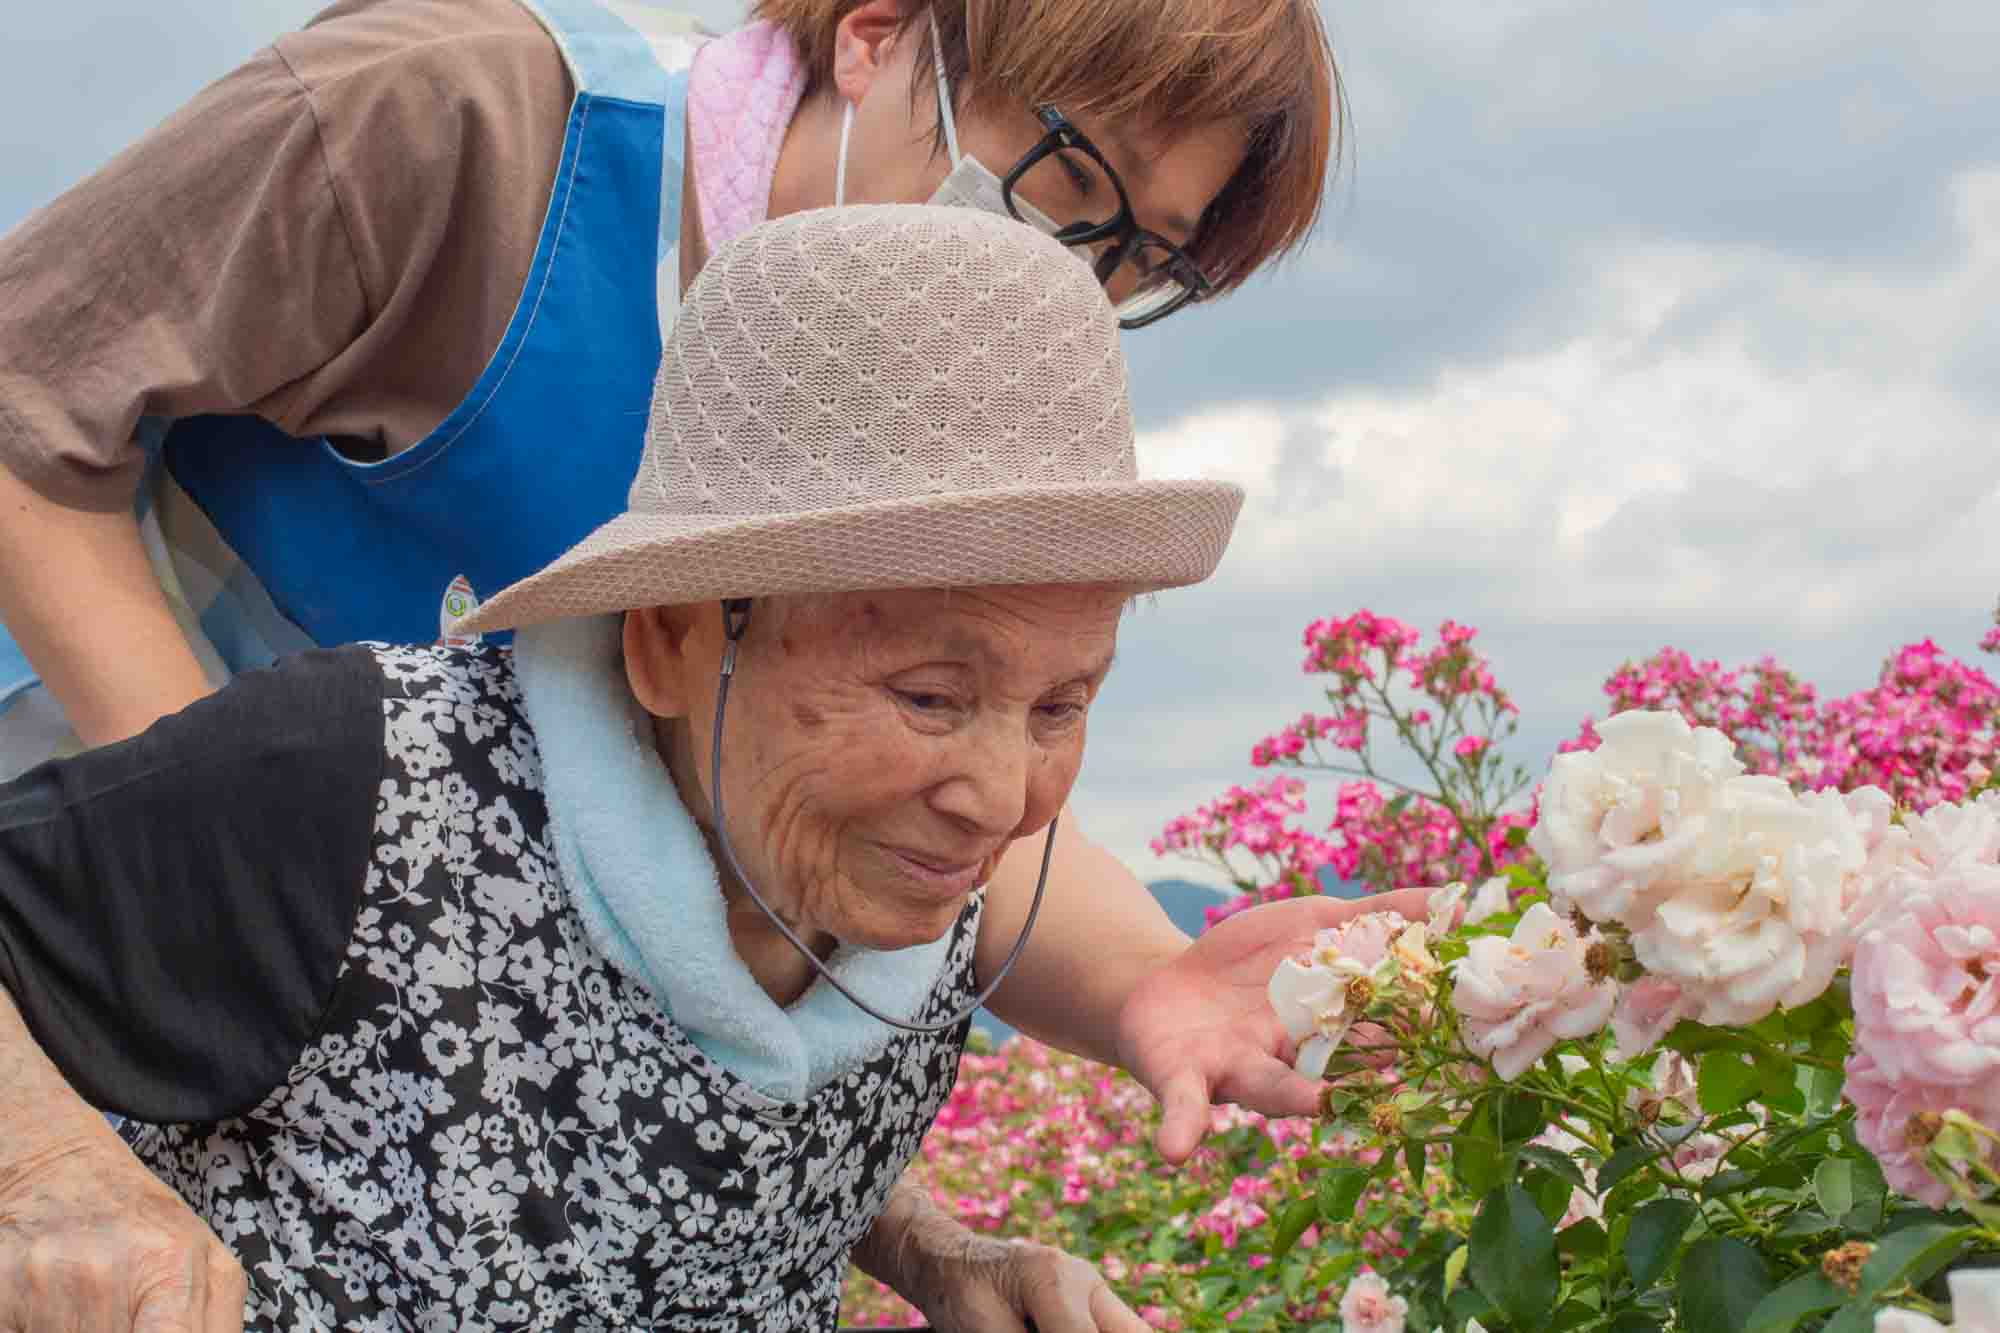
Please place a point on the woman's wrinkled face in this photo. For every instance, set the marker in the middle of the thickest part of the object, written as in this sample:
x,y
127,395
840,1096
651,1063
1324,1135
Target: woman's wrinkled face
x,y
882,749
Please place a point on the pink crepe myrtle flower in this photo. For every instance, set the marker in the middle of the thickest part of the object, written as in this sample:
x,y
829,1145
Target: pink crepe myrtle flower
x,y
1519,996
1368,1306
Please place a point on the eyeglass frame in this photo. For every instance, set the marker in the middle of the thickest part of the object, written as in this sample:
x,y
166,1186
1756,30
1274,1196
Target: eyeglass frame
x,y
1122,227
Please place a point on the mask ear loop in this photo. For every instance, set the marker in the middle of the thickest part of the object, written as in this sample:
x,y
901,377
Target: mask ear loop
x,y
943,90
735,620
840,163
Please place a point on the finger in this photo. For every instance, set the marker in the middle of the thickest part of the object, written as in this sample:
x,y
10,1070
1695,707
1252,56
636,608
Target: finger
x,y
1272,1087
1184,1116
1113,1315
1411,903
1061,1301
228,1288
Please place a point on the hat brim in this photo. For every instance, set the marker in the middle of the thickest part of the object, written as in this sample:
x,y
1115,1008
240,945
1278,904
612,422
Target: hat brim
x,y
1145,534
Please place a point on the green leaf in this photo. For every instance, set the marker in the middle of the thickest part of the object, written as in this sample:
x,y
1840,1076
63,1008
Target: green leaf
x,y
1413,1157
1621,1164
1777,1074
1583,1239
1722,1281
1833,1186
1807,1294
1519,1116
1513,1259
1725,1082
1912,1255
1292,1223
1339,1191
1655,1234
1871,1196
1803,1224
1454,1267
1551,1193
1573,1314
1823,1089
1516,836
1476,1161
1635,1321
1556,1163
1854,1317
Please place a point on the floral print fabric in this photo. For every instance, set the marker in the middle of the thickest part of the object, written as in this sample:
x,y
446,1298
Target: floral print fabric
x,y
496,1129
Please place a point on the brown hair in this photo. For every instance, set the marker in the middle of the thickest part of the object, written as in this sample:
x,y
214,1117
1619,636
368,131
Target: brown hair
x,y
1166,65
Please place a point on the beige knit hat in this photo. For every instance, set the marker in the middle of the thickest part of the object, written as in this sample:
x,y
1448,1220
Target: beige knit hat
x,y
881,397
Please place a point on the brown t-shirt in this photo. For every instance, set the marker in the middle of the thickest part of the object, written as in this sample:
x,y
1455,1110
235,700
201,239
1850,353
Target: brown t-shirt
x,y
332,237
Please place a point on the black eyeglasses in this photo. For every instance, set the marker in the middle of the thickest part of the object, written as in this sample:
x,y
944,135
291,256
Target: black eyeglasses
x,y
1167,277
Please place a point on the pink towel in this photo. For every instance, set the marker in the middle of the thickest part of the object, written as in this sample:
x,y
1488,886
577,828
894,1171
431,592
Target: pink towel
x,y
741,95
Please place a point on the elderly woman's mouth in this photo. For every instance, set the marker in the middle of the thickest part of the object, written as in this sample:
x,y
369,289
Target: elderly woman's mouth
x,y
941,874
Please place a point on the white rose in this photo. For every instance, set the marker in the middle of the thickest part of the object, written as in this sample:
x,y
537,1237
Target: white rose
x,y
1760,911
1617,823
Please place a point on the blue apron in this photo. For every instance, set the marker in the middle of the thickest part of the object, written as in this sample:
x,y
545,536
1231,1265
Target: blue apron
x,y
267,544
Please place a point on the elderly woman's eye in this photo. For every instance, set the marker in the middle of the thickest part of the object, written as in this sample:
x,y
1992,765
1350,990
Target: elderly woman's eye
x,y
924,701
1068,710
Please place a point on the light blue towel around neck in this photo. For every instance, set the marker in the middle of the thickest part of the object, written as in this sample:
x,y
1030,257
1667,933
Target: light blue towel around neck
x,y
640,872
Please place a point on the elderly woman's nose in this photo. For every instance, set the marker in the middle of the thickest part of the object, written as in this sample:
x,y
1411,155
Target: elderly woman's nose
x,y
990,785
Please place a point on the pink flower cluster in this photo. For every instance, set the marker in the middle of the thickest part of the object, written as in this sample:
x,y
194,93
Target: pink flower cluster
x,y
1927,731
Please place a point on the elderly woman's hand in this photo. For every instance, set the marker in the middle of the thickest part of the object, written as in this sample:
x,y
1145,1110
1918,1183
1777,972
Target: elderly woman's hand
x,y
89,1238
967,1283
1201,1030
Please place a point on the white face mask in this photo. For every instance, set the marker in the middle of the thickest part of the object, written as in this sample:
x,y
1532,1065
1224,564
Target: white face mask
x,y
969,184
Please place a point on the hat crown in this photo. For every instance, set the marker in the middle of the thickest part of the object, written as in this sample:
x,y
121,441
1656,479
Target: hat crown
x,y
837,357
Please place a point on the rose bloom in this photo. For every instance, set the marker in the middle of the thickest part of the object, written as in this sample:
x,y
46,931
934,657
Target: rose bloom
x,y
1760,910
1617,823
1519,996
1883,1108
1369,1307
1314,998
1927,980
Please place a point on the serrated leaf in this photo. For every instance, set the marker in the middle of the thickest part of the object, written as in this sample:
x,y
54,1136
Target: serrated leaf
x,y
1292,1223
1339,1191
1725,1082
1454,1267
1833,1186
1722,1281
1653,1237
1556,1163
1621,1164
1476,1160
1513,1259
1805,1295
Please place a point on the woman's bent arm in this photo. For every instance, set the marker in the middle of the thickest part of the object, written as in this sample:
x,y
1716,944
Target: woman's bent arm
x,y
78,596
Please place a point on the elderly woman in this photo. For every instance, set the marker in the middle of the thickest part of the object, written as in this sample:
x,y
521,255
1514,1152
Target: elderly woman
x,y
505,988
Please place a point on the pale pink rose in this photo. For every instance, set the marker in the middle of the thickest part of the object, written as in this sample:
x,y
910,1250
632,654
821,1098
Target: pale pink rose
x,y
1975,1307
1673,1083
1647,1010
1927,981
1519,996
1883,1107
1313,996
1369,1307
1491,898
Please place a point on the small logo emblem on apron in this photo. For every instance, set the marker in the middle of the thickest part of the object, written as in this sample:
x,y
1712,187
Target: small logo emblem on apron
x,y
459,601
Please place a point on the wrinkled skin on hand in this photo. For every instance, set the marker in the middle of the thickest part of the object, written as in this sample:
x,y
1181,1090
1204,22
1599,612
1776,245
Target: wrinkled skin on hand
x,y
1201,1030
91,1240
996,1286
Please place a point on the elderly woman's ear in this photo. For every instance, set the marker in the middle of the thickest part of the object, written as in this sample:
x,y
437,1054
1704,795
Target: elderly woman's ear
x,y
668,658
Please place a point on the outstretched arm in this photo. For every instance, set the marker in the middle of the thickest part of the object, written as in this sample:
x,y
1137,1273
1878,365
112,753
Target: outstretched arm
x,y
1107,975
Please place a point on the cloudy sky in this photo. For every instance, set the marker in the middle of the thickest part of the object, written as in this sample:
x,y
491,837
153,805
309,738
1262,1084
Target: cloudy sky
x,y
1628,325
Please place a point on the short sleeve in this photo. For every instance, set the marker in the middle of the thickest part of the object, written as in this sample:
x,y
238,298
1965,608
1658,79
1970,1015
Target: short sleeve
x,y
174,908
